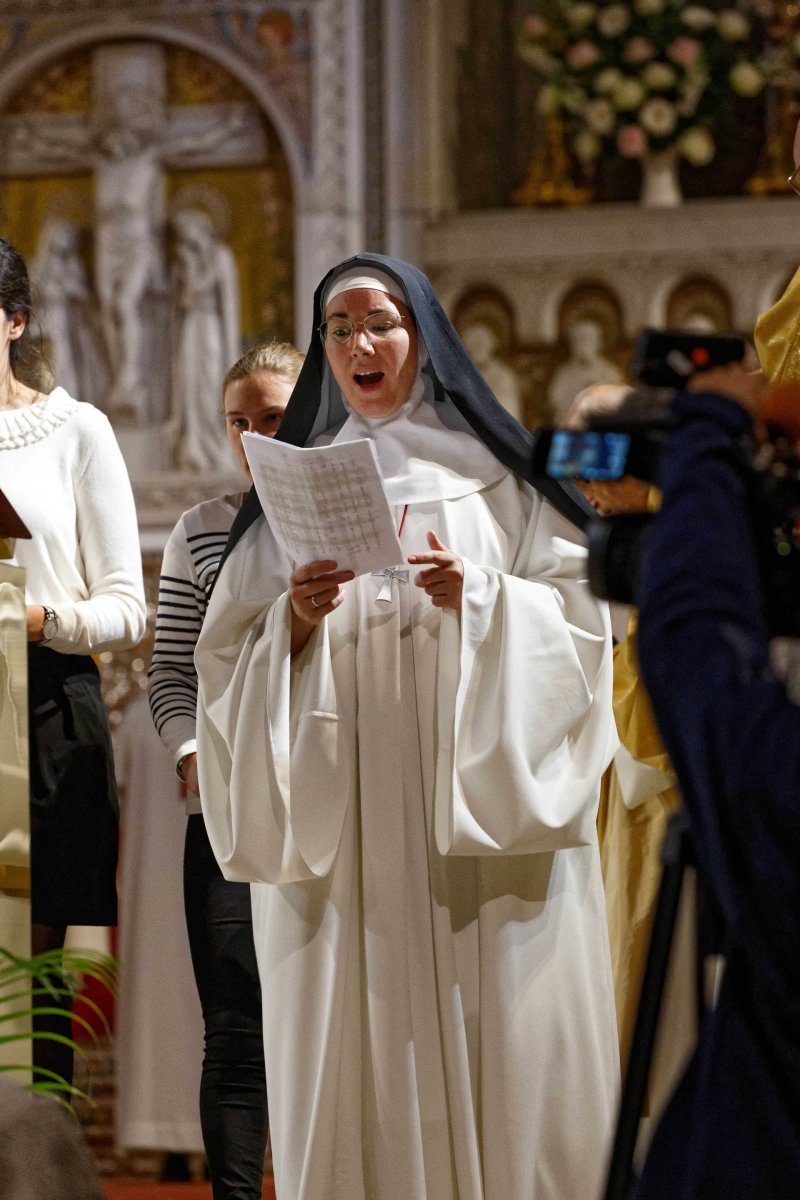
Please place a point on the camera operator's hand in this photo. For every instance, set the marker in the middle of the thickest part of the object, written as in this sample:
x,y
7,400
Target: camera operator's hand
x,y
612,497
747,388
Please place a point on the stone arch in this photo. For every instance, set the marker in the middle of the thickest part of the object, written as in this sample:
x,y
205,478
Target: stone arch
x,y
700,302
327,175
18,72
590,348
592,300
485,319
487,306
22,68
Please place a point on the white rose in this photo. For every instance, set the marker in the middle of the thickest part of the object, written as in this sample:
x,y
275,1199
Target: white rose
x,y
629,95
746,79
658,117
697,146
608,80
580,15
659,75
697,18
648,8
732,25
611,21
587,145
599,116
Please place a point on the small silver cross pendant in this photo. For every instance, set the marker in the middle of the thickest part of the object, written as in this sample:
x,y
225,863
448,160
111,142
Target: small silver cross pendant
x,y
384,596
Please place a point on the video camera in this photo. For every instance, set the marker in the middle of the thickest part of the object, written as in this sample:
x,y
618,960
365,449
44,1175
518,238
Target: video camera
x,y
630,442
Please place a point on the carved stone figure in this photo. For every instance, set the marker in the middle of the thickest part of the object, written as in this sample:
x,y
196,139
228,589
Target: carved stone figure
x,y
585,367
207,338
129,266
129,259
123,145
129,249
68,312
482,345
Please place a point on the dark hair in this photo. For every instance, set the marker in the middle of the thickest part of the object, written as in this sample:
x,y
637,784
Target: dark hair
x,y
27,361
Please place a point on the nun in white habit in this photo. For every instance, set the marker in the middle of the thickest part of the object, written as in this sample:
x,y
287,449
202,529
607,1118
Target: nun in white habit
x,y
407,770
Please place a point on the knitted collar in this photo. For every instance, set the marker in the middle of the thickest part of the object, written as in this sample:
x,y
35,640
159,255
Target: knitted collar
x,y
24,426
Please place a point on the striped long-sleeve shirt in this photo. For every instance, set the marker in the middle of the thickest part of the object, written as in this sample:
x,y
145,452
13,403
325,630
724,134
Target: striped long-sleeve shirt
x,y
191,558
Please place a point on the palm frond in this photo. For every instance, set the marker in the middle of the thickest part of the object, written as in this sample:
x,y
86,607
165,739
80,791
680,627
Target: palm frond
x,y
60,975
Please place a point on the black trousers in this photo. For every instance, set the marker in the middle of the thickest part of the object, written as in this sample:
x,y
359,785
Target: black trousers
x,y
74,825
233,1090
74,806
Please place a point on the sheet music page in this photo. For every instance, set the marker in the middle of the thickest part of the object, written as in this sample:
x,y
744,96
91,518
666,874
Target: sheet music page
x,y
325,502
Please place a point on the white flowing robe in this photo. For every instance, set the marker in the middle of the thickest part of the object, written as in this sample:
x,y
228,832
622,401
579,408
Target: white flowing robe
x,y
414,797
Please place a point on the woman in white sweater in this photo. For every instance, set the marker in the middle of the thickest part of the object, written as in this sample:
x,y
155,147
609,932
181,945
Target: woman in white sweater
x,y
62,469
233,1099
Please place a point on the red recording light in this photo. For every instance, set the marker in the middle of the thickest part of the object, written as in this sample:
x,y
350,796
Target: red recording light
x,y
700,356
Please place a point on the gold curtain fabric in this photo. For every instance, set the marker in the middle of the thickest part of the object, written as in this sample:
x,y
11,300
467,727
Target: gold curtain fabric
x,y
777,336
630,839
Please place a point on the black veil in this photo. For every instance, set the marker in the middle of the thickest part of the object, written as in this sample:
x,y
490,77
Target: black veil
x,y
452,372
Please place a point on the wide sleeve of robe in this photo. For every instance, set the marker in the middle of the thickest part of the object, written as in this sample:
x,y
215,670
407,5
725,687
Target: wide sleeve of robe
x,y
524,718
268,728
523,727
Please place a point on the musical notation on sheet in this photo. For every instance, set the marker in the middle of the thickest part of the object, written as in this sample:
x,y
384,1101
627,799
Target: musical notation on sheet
x,y
325,502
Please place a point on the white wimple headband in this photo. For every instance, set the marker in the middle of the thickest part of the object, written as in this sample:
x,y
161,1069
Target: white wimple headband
x,y
355,278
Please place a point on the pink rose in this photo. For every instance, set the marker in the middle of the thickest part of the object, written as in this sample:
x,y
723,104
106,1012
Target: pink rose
x,y
582,54
638,50
534,26
632,141
685,51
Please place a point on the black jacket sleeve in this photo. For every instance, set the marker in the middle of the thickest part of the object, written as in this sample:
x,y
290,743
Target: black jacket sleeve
x,y
727,723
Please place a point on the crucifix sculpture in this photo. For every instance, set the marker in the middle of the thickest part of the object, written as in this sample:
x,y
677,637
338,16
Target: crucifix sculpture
x,y
127,141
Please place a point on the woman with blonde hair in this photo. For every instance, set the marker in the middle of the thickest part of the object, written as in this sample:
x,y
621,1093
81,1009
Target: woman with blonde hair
x,y
233,1101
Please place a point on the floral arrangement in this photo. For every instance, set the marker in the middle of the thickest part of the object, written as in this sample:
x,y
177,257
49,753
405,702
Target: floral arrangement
x,y
647,76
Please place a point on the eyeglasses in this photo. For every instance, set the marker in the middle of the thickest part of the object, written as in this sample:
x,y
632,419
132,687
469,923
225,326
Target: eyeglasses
x,y
377,326
794,180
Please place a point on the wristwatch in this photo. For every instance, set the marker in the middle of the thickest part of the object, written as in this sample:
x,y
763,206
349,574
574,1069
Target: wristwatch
x,y
49,625
179,765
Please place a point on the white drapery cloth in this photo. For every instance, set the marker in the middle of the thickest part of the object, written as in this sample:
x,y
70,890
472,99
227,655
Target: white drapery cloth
x,y
159,1036
415,796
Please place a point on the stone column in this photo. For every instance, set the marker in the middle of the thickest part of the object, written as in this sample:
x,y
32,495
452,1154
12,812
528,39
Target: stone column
x,y
419,86
330,213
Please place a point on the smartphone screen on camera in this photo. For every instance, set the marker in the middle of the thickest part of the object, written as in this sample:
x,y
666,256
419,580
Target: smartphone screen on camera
x,y
588,455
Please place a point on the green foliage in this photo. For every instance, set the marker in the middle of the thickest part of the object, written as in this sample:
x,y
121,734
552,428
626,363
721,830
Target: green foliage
x,y
60,975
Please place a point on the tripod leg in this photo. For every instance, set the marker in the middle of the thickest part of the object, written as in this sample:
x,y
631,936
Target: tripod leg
x,y
674,856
